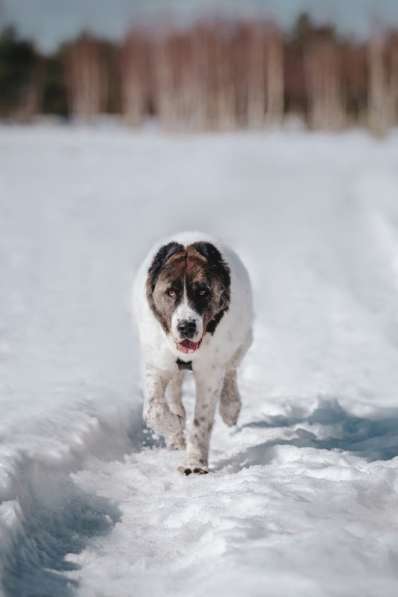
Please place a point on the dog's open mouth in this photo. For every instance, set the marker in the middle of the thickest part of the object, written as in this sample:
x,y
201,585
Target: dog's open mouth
x,y
188,346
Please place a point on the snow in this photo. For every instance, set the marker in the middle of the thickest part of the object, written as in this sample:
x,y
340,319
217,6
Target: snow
x,y
302,497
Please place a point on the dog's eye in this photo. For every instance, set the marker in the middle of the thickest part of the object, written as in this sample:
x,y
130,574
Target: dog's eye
x,y
204,291
171,292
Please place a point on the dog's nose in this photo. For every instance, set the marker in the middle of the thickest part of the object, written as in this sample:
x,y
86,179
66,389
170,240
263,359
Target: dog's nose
x,y
187,328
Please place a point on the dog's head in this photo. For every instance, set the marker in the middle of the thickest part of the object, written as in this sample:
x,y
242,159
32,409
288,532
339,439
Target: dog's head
x,y
188,289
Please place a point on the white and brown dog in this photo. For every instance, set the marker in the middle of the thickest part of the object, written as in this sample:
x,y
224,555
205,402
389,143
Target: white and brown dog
x,y
193,306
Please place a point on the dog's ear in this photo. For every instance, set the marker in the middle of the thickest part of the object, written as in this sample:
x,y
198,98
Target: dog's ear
x,y
161,257
218,269
215,262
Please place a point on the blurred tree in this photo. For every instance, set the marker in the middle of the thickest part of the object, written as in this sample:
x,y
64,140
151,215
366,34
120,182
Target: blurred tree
x,y
54,99
302,28
19,75
87,76
296,96
323,83
354,82
381,97
215,74
135,76
393,65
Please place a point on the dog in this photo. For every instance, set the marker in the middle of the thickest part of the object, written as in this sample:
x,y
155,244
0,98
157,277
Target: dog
x,y
192,302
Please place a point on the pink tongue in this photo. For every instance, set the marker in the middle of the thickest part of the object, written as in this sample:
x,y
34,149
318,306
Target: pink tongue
x,y
189,345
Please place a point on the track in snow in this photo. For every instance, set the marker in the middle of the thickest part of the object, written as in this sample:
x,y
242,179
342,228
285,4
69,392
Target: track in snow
x,y
302,496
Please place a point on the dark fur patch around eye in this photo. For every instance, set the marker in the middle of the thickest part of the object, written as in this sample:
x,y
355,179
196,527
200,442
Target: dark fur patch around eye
x,y
218,268
160,259
155,269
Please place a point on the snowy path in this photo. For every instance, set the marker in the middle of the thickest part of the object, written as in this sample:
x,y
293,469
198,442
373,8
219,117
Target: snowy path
x,y
302,498
272,519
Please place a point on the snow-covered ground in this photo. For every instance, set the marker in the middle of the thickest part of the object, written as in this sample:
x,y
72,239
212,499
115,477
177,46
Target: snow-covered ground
x,y
302,497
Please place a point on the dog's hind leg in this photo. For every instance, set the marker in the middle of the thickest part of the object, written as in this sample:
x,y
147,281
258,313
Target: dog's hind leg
x,y
176,440
230,402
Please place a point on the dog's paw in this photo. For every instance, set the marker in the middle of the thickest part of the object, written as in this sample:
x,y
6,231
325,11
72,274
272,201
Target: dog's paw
x,y
197,470
229,411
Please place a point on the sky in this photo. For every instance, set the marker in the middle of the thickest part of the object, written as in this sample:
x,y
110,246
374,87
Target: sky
x,y
51,21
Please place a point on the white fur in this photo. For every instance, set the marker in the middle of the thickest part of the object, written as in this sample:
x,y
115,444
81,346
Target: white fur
x,y
214,363
184,311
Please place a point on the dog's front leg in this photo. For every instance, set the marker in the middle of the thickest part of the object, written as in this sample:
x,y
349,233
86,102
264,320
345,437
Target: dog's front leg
x,y
208,389
157,414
